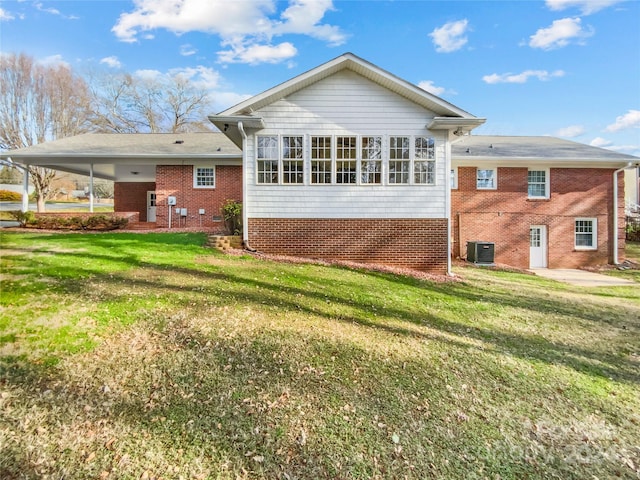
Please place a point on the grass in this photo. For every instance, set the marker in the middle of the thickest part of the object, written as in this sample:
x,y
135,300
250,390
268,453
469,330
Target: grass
x,y
149,356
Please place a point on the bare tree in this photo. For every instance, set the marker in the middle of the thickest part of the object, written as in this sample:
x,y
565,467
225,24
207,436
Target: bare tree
x,y
39,103
123,103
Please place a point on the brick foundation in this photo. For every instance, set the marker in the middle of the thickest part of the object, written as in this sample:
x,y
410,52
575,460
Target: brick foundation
x,y
503,216
420,244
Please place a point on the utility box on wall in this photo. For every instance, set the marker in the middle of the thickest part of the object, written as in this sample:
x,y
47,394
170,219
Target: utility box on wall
x,y
481,253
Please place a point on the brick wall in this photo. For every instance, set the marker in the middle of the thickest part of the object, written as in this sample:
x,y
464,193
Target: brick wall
x,y
504,215
132,197
177,181
411,243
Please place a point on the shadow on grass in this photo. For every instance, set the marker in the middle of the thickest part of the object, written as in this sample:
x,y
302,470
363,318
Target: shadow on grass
x,y
225,285
326,411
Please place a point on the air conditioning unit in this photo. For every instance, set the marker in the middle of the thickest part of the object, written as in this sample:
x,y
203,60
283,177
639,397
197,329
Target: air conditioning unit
x,y
481,253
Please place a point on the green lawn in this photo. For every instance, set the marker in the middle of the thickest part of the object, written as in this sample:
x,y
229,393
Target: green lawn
x,y
135,356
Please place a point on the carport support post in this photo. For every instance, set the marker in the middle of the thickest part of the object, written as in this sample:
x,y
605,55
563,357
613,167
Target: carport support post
x,y
91,188
25,189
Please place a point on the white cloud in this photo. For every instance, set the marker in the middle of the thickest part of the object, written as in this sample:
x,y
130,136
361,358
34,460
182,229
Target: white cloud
x,y
54,61
111,61
53,11
201,77
600,142
523,77
225,100
587,7
428,86
147,74
4,15
571,131
255,54
187,50
451,36
560,34
631,119
248,26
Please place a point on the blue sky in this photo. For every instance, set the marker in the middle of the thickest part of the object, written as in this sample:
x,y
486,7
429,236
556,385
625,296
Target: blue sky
x,y
567,68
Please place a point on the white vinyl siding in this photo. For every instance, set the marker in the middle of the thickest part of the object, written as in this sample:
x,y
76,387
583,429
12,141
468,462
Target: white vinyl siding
x,y
346,107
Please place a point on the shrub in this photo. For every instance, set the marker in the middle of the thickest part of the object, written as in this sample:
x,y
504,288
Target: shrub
x,y
232,214
9,196
23,218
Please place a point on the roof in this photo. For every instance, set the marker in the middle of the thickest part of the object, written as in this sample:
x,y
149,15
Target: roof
x,y
131,145
496,148
138,152
441,108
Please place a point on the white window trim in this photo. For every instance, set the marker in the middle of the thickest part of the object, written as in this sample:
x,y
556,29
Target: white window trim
x,y
547,188
454,182
495,183
594,234
195,177
415,160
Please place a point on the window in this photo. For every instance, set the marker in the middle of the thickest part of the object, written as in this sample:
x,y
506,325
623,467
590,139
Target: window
x,y
399,160
346,160
486,179
292,160
586,233
424,166
268,159
204,177
320,159
371,165
537,184
453,178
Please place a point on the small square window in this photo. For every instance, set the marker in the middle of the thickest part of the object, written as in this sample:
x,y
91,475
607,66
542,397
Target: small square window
x,y
486,179
204,177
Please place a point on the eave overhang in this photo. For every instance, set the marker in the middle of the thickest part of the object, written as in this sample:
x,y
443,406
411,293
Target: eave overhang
x,y
228,124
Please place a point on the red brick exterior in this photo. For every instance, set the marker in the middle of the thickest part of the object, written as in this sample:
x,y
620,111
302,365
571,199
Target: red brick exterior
x,y
132,197
504,215
412,243
177,181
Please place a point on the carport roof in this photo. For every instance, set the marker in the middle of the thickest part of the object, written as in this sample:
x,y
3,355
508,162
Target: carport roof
x,y
106,150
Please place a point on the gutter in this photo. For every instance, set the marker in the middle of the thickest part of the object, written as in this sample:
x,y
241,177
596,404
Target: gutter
x,y
616,260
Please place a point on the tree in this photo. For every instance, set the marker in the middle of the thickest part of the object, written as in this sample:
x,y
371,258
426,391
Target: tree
x,y
125,103
39,103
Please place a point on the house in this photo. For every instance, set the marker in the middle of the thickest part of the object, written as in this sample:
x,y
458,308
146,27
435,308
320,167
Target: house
x,y
348,161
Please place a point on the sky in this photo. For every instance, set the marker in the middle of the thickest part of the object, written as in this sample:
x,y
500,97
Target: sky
x,y
565,68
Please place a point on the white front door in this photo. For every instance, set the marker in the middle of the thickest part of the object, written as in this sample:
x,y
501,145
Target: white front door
x,y
538,246
151,206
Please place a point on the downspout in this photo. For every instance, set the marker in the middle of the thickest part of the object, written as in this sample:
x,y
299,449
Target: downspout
x,y
91,188
25,182
447,201
615,211
245,215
